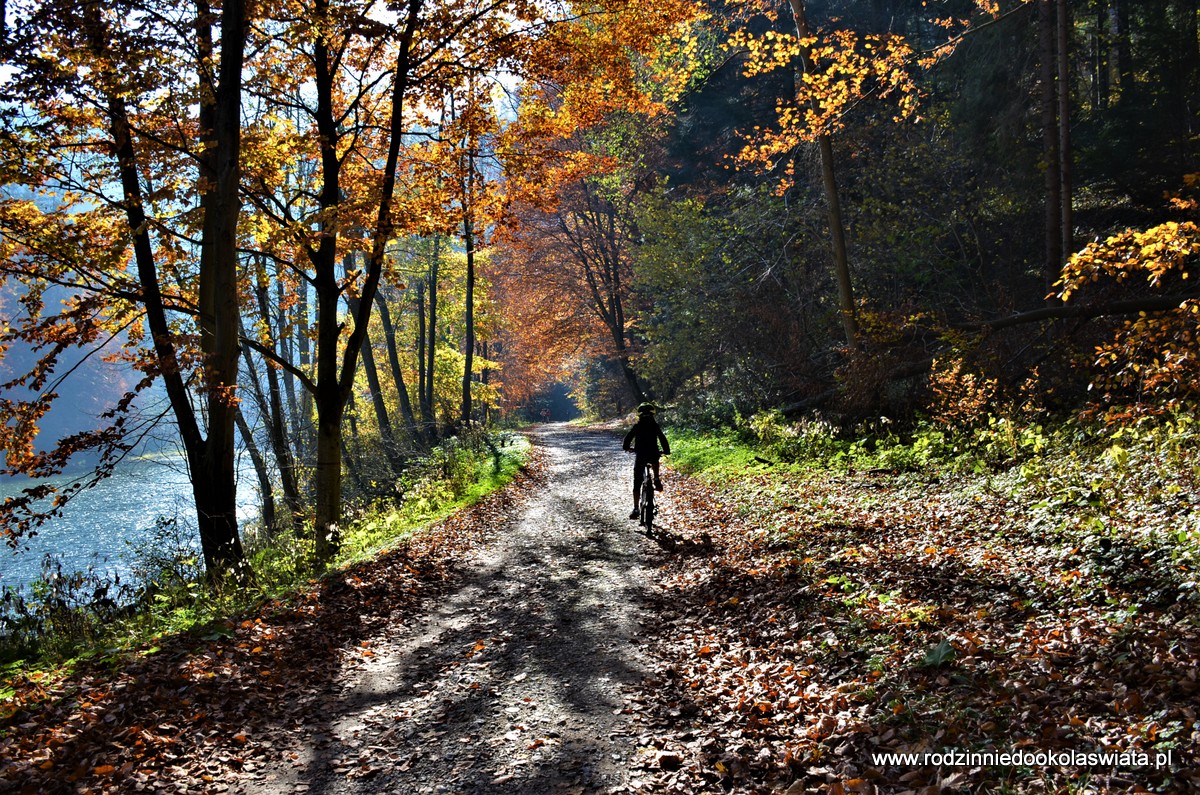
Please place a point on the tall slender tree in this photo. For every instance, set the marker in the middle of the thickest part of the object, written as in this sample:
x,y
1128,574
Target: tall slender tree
x,y
833,200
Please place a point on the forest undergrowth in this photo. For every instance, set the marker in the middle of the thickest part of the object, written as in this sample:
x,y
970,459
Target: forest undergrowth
x,y
1011,589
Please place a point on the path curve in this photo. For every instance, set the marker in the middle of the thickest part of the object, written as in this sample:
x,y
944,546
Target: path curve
x,y
519,680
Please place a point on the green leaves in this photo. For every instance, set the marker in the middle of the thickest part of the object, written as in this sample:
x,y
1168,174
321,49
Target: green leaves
x,y
939,655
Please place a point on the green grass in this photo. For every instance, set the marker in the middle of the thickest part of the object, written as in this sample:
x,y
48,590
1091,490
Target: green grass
x,y
716,456
1126,492
428,501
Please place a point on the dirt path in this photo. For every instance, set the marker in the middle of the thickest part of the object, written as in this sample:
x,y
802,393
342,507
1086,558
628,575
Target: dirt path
x,y
518,682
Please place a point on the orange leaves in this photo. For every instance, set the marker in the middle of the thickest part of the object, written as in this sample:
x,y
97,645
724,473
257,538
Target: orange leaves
x,y
961,399
772,50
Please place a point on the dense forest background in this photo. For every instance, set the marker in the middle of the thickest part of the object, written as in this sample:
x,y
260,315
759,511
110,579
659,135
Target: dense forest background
x,y
336,237
953,219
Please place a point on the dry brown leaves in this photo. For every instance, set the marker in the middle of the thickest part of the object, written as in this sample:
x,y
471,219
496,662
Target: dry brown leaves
x,y
834,617
879,616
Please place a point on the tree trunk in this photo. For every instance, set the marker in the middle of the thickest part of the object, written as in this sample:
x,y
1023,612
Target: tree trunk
x,y
335,373
1188,65
469,299
391,449
393,353
387,436
484,377
328,482
327,478
218,291
1124,51
1066,220
1051,158
420,301
273,410
833,202
430,407
210,458
635,386
304,432
264,477
837,232
1100,59
329,405
284,335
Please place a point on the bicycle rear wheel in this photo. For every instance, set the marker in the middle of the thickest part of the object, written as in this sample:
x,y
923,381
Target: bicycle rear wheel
x,y
646,507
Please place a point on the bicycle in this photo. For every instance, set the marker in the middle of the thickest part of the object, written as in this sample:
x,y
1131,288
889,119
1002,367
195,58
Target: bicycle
x,y
646,506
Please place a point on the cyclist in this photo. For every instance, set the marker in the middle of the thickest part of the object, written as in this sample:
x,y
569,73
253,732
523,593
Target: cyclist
x,y
643,439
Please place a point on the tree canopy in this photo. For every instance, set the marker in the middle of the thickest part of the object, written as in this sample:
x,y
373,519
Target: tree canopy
x,y
332,232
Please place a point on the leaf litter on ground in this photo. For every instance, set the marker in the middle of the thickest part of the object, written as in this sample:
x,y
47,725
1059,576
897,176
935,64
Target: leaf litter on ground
x,y
204,705
845,615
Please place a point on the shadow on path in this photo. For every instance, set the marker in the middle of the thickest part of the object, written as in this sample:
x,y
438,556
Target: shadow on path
x,y
516,681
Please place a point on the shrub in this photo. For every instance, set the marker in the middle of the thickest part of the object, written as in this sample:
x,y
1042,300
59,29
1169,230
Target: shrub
x,y
961,399
62,611
809,439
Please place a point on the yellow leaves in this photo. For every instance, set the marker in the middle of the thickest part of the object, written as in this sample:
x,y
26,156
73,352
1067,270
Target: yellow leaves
x,y
1155,254
839,69
1152,354
772,50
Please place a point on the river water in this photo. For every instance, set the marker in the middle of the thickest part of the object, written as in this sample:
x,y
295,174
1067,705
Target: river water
x,y
99,525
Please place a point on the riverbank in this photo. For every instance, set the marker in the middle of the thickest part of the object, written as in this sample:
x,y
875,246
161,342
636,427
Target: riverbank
x,y
189,712
88,612
101,528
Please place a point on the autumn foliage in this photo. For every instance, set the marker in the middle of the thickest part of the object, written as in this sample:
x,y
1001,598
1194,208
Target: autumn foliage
x,y
201,179
1151,358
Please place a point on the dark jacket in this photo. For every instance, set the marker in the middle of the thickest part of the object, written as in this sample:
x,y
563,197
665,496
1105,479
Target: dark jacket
x,y
643,438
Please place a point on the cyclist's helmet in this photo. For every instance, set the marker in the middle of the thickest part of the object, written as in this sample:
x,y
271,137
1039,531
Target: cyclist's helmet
x,y
647,408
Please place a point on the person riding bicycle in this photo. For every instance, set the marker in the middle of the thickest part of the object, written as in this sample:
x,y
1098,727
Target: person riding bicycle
x,y
643,439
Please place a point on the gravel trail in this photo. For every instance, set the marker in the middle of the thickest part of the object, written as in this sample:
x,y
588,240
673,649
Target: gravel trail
x,y
519,680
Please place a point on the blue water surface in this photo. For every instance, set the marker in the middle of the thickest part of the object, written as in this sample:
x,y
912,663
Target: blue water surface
x,y
98,525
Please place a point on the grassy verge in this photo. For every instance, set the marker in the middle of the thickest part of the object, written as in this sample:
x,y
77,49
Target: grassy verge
x,y
447,481
1135,488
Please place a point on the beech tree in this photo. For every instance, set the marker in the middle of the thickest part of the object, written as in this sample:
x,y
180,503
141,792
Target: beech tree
x,y
1145,273
581,253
